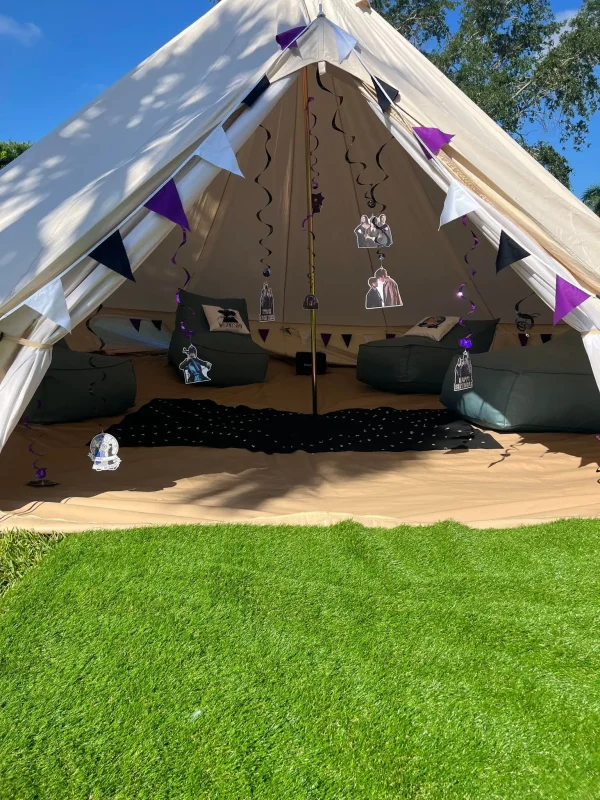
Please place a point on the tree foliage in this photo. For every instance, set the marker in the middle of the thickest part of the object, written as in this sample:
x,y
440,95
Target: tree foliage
x,y
591,197
525,69
11,150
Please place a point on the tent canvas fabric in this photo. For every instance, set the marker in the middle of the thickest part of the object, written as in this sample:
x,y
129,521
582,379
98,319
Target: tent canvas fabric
x,y
93,175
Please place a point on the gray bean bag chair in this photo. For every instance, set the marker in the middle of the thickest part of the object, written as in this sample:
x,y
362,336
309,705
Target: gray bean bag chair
x,y
236,359
545,388
82,386
414,364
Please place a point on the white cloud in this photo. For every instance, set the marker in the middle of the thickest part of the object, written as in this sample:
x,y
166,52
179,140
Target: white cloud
x,y
23,32
565,17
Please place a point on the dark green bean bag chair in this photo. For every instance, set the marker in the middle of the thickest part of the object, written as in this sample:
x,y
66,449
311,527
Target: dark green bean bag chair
x,y
414,364
80,386
236,359
550,387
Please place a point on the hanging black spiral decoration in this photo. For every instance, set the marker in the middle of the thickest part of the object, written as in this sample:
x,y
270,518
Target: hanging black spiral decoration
x,y
261,241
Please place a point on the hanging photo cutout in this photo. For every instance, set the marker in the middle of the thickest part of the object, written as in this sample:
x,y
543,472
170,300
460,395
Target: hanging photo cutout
x,y
463,373
373,232
103,453
194,369
267,304
383,291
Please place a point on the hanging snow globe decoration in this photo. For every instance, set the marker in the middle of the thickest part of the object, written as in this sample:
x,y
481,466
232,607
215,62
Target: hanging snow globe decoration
x,y
103,453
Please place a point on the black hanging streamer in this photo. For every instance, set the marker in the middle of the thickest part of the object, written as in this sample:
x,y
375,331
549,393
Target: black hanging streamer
x,y
93,383
261,241
465,341
96,335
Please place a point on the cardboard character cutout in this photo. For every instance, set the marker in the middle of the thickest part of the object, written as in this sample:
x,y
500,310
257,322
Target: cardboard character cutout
x,y
463,373
194,369
383,291
267,304
373,232
103,453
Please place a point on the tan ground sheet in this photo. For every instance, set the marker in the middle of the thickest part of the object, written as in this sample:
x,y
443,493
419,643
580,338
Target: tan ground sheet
x,y
537,478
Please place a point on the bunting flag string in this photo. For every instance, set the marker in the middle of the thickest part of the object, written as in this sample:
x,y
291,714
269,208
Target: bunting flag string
x,y
509,252
523,339
157,324
433,138
288,38
386,94
326,338
51,303
136,324
458,203
344,42
217,150
260,88
111,253
368,337
545,337
264,332
568,297
347,338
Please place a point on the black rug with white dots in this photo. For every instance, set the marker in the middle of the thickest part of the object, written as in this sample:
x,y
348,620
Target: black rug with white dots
x,y
193,423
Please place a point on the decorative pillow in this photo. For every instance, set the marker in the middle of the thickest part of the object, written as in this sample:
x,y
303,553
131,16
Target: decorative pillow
x,y
226,320
433,327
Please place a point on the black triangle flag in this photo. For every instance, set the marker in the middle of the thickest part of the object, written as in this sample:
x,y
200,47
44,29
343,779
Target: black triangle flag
x,y
509,252
545,337
111,252
157,324
136,324
382,89
347,337
260,88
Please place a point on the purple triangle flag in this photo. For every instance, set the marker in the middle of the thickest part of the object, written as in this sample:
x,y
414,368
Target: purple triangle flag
x,y
347,338
568,297
287,38
136,324
264,332
326,337
167,203
524,339
433,139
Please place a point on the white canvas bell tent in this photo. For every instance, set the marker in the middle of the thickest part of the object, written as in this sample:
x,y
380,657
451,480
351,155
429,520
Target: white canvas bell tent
x,y
92,176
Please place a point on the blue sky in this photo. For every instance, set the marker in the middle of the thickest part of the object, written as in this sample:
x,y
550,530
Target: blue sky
x,y
56,57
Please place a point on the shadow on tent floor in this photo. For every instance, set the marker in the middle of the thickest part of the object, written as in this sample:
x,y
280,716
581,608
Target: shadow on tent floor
x,y
535,478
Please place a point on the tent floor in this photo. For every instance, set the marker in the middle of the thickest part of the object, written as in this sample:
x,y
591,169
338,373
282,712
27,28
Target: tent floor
x,y
537,478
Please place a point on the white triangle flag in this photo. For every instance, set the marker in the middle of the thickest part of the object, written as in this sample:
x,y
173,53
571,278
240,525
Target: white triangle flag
x,y
344,41
368,337
50,301
458,203
217,150
305,336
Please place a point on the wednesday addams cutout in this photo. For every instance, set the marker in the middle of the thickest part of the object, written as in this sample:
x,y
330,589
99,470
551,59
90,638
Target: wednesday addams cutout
x,y
194,369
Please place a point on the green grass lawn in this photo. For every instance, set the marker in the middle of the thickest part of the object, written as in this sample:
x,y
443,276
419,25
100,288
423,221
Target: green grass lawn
x,y
235,662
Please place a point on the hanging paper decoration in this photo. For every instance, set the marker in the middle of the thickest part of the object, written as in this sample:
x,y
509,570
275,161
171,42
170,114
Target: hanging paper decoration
x,y
523,321
463,373
103,453
386,94
41,481
50,302
568,297
509,252
390,336
344,42
317,202
373,232
167,203
111,253
260,88
310,303
267,304
194,369
288,38
136,324
217,150
458,203
433,139
347,338
383,290
523,339
264,332
259,213
325,337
